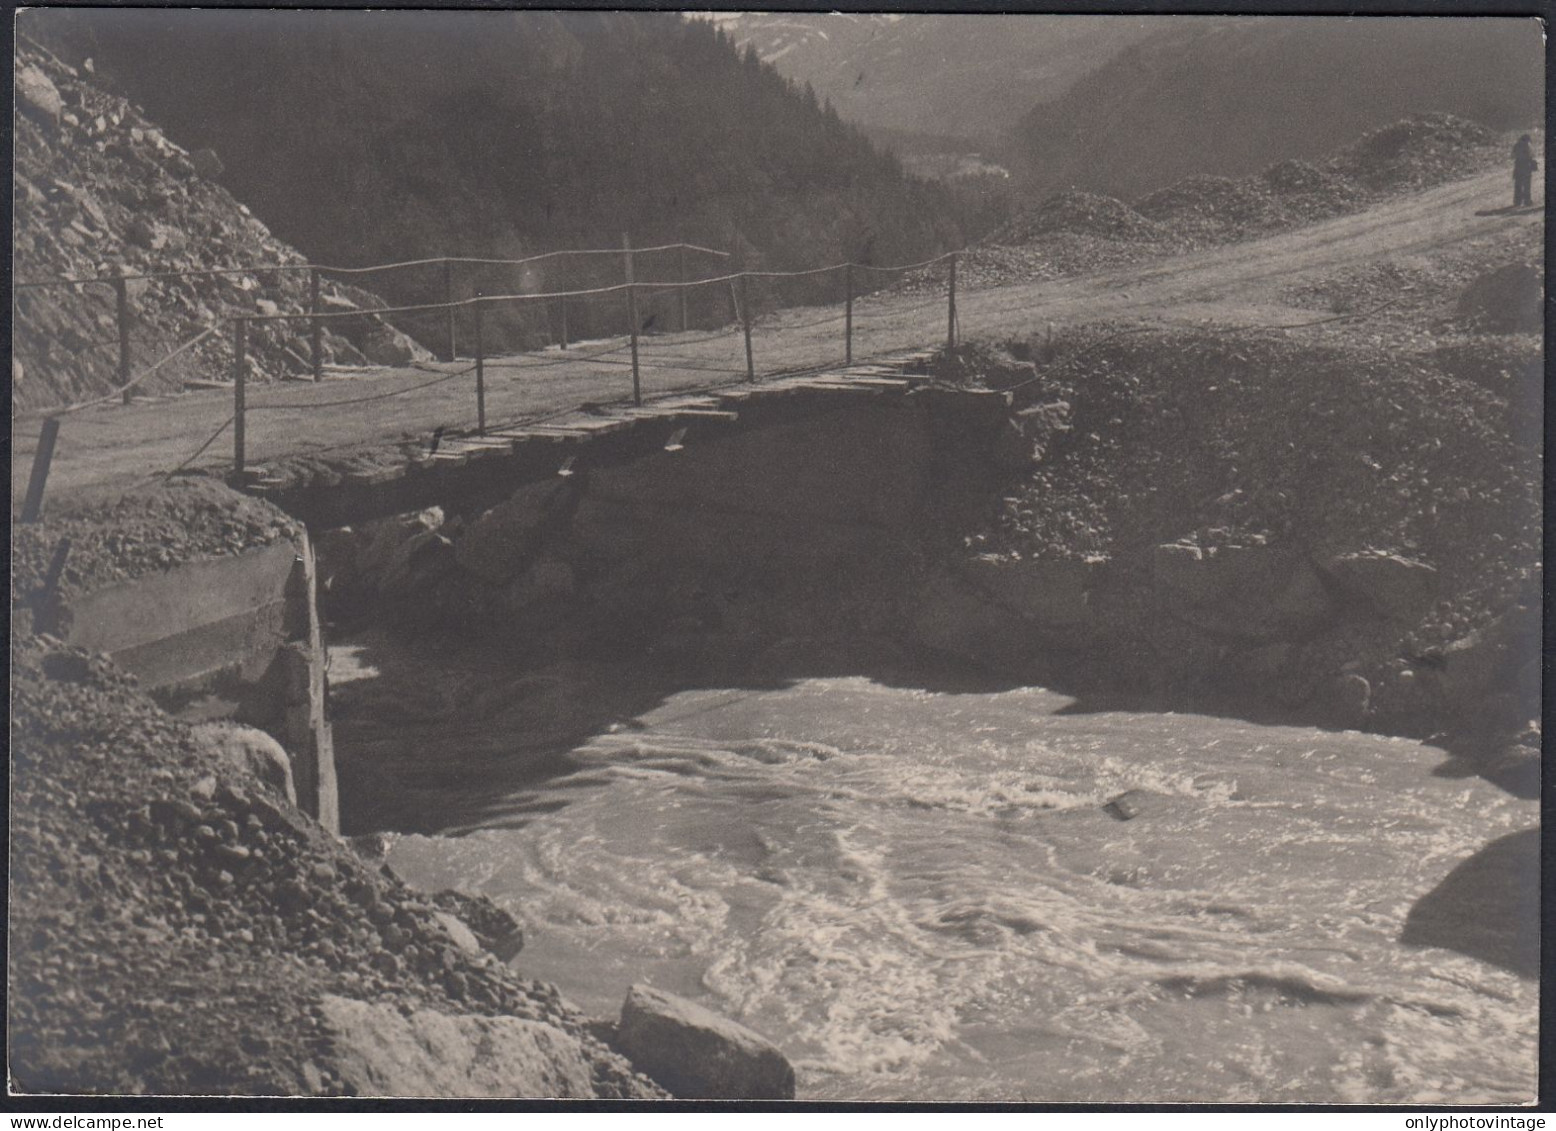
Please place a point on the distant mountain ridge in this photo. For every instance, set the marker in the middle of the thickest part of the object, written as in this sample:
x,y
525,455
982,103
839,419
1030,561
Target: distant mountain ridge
x,y
964,76
1228,96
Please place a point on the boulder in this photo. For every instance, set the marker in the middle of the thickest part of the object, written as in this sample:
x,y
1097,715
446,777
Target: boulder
x,y
491,928
379,1051
1509,299
950,616
694,1053
499,544
1303,603
206,163
1500,657
146,234
382,344
252,750
1049,593
417,564
340,351
461,935
378,544
1346,700
1180,569
36,94
543,590
1256,593
1391,585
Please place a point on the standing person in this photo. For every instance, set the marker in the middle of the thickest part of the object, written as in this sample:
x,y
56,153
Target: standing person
x,y
1524,166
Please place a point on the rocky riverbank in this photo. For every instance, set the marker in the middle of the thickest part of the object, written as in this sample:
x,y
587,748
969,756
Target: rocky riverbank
x,y
100,192
1339,529
179,927
1345,527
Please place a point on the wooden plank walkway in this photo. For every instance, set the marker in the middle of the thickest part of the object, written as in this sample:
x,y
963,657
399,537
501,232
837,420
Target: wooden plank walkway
x,y
894,375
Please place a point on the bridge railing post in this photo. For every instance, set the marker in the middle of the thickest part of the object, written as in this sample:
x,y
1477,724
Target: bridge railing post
x,y
950,333
448,297
848,314
632,319
315,325
680,277
240,367
480,372
43,458
121,295
556,282
745,319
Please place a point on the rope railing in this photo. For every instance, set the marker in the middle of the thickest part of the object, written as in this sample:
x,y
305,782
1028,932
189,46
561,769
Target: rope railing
x,y
119,391
629,294
264,268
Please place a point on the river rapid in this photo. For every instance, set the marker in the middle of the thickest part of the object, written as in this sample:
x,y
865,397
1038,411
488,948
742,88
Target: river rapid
x,y
916,885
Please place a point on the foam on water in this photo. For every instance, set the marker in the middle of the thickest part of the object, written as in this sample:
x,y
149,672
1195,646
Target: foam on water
x,y
922,896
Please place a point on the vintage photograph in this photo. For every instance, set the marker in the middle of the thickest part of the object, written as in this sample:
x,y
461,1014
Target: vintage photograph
x,y
804,556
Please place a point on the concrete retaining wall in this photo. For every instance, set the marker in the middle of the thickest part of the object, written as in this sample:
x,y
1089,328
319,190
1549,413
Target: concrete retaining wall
x,y
236,636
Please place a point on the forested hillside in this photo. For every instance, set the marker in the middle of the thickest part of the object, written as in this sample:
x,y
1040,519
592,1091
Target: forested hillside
x,y
360,137
1228,97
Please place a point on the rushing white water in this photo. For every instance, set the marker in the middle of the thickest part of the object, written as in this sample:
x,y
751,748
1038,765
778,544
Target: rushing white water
x,y
923,895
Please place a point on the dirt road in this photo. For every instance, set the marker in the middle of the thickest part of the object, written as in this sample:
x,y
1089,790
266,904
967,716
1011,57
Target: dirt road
x,y
102,450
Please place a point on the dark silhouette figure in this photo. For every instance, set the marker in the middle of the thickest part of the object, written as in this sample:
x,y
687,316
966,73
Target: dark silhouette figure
x,y
1524,166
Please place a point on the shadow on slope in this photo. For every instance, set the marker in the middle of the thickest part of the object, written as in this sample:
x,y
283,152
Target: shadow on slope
x,y
1487,908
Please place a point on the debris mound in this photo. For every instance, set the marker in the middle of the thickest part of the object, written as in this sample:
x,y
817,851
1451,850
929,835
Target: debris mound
x,y
1508,300
175,924
1220,208
100,192
1073,233
1415,153
1080,213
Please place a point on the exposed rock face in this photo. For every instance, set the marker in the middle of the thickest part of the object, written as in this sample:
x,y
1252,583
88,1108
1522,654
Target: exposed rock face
x,y
755,535
380,1051
1392,585
101,192
38,95
696,1054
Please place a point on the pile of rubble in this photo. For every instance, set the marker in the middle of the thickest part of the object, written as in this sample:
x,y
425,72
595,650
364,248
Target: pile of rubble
x,y
1074,233
1339,452
1416,153
1492,285
179,928
101,192
1082,213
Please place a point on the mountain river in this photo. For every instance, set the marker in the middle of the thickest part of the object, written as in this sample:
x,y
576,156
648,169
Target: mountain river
x,y
916,885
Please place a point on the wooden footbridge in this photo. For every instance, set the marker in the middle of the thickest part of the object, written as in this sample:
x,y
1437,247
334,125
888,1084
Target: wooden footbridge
x,y
368,440
473,470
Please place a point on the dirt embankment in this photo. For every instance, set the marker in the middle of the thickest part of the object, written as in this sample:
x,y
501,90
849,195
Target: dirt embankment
x,y
144,531
1330,524
176,925
100,191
